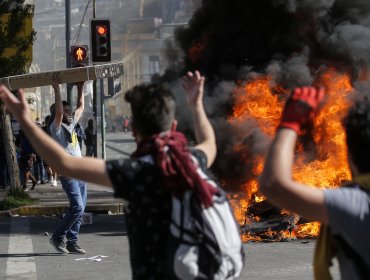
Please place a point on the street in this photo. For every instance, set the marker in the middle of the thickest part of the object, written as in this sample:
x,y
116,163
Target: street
x,y
27,254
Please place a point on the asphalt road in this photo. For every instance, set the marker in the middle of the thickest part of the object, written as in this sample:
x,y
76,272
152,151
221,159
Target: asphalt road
x,y
25,252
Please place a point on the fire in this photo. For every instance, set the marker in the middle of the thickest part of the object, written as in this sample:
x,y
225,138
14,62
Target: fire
x,y
325,165
307,230
258,103
330,168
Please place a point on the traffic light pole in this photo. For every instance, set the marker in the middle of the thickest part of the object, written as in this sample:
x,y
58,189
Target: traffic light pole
x,y
68,45
95,105
95,108
95,111
102,118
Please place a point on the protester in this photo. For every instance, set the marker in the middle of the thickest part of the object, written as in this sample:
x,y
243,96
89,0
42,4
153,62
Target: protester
x,y
343,212
161,166
62,129
39,168
52,175
126,124
90,138
27,158
80,134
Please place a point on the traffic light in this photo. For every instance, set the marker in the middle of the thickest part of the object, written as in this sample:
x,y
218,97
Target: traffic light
x,y
79,56
100,40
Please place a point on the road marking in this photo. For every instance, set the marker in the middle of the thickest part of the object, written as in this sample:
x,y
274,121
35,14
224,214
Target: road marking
x,y
21,263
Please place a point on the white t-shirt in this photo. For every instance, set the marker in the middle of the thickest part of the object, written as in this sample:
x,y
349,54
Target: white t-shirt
x,y
66,136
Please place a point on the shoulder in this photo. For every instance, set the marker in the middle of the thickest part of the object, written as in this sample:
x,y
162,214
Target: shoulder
x,y
126,174
200,156
347,203
53,128
124,168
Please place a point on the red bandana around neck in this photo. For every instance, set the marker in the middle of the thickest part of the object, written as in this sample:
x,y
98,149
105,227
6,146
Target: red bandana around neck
x,y
178,170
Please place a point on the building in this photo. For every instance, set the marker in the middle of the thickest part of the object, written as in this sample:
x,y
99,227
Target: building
x,y
144,42
140,30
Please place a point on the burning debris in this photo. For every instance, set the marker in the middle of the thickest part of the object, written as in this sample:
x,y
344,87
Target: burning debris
x,y
264,48
264,222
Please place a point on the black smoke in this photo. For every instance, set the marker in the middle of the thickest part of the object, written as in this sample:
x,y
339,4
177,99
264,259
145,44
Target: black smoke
x,y
258,33
293,41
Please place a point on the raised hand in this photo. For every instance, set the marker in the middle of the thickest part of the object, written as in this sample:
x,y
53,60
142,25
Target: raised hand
x,y
193,84
301,107
55,81
17,106
80,85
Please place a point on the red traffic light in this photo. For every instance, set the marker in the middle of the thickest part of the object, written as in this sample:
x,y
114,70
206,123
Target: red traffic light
x,y
79,53
101,30
100,40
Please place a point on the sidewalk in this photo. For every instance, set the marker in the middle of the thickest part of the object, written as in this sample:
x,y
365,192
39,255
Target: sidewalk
x,y
53,200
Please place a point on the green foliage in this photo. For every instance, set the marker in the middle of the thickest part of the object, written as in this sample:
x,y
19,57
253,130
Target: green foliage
x,y
11,37
15,198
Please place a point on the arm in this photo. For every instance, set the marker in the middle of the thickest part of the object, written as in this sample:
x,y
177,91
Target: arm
x,y
276,181
204,133
86,169
80,101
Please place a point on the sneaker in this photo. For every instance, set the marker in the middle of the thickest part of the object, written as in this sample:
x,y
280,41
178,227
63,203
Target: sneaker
x,y
25,188
60,246
54,183
73,248
34,185
42,182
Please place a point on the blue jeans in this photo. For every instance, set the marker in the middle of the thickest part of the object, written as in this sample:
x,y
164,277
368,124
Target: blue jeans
x,y
69,226
39,169
89,150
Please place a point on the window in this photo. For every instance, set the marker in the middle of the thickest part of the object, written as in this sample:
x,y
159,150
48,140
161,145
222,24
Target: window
x,y
153,64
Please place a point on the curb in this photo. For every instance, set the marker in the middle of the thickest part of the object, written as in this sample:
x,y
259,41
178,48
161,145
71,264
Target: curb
x,y
38,210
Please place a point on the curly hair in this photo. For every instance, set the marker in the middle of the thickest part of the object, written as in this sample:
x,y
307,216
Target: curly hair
x,y
153,108
357,127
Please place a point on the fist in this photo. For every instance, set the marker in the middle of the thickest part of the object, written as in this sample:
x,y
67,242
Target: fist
x,y
301,107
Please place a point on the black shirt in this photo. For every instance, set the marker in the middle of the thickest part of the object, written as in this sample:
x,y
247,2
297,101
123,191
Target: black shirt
x,y
148,213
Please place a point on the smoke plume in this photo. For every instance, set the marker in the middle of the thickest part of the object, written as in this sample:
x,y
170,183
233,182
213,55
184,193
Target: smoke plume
x,y
290,40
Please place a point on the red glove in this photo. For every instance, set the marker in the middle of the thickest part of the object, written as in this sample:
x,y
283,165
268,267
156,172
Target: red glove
x,y
301,107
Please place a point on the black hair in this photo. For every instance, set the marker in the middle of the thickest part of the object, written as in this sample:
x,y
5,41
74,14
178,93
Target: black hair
x,y
357,127
65,103
153,108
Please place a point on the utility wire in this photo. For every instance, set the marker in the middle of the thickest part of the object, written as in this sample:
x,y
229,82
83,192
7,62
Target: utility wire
x,y
77,35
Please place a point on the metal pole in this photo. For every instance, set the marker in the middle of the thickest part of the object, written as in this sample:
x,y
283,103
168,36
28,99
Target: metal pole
x,y
94,9
95,100
96,119
68,46
102,117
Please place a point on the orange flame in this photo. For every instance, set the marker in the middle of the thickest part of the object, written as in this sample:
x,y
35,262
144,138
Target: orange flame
x,y
262,101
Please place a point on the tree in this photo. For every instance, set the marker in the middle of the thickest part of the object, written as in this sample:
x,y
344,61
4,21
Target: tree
x,y
16,38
